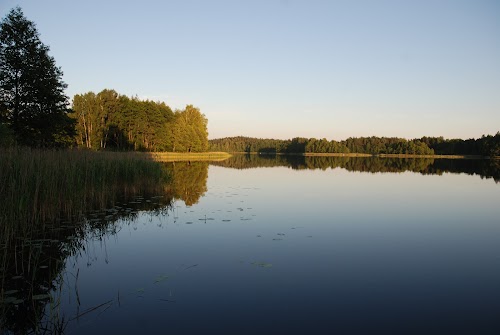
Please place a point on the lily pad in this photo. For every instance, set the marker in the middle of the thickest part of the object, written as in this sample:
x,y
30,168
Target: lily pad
x,y
262,264
161,278
9,300
11,292
41,296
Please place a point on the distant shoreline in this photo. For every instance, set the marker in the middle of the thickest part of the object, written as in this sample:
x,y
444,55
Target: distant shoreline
x,y
312,154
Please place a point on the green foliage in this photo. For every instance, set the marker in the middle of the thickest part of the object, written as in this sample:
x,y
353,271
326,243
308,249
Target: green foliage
x,y
366,145
486,145
387,145
32,100
109,120
250,144
189,131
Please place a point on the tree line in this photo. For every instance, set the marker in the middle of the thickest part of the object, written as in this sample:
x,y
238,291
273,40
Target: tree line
x,y
108,120
484,146
34,111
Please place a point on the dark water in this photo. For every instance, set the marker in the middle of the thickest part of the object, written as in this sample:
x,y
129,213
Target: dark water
x,y
299,246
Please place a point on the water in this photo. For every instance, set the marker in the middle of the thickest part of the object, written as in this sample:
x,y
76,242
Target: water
x,y
278,249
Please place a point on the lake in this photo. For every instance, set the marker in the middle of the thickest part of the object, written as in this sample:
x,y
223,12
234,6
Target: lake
x,y
285,245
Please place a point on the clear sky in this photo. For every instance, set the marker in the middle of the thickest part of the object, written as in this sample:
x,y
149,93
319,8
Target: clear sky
x,y
286,68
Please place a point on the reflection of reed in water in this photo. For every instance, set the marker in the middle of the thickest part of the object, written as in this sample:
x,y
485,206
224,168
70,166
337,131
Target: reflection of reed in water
x,y
97,193
53,202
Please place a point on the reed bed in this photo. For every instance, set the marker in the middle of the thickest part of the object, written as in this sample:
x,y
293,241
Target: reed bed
x,y
45,198
189,156
40,186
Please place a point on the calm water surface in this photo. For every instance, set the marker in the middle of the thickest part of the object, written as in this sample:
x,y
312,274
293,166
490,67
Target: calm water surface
x,y
277,250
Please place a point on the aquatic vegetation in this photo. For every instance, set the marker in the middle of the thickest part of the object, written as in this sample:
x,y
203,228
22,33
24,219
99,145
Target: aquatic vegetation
x,y
40,186
52,201
262,264
160,279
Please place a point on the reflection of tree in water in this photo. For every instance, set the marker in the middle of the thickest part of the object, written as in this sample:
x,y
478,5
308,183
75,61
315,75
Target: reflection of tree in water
x,y
483,167
33,259
249,161
486,168
32,265
369,164
189,180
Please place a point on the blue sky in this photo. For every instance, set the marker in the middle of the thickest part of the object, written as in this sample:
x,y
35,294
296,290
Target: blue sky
x,y
286,68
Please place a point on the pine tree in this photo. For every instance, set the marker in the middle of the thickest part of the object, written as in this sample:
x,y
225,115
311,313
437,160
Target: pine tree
x,y
32,97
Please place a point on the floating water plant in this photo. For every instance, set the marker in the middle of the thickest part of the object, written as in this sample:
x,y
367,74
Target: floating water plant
x,y
262,264
41,297
160,278
11,292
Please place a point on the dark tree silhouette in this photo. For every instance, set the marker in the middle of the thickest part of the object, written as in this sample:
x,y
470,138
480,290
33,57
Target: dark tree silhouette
x,y
32,100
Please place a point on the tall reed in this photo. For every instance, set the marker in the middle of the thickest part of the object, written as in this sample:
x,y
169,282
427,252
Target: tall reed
x,y
40,186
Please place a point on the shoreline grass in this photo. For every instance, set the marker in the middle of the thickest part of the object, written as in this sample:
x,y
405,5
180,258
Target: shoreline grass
x,y
47,197
39,186
188,156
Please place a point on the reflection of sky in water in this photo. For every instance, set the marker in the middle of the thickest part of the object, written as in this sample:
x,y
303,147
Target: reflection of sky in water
x,y
342,251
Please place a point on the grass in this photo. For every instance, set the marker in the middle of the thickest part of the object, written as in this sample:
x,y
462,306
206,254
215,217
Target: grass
x,y
40,186
44,197
188,156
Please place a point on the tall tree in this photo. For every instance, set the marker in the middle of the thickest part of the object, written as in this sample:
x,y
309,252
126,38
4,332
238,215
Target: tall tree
x,y
32,95
85,111
189,132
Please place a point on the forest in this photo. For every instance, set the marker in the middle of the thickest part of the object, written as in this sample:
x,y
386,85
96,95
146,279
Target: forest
x,y
35,112
484,146
107,120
